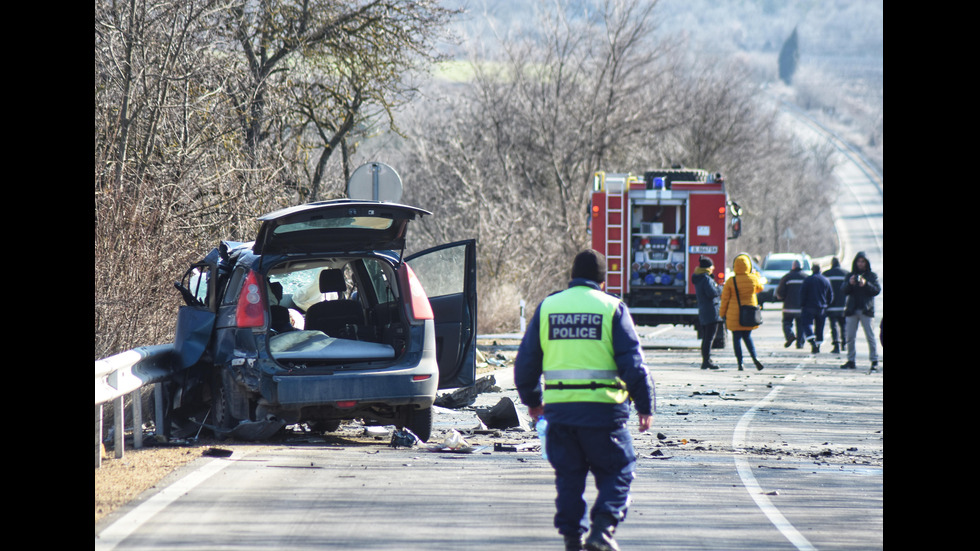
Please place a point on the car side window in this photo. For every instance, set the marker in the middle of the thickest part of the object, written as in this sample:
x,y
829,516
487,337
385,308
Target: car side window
x,y
380,281
234,286
444,271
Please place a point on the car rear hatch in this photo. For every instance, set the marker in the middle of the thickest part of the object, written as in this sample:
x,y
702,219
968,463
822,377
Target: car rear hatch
x,y
339,225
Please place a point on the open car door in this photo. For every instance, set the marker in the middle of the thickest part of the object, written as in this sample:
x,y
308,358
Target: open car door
x,y
195,320
448,275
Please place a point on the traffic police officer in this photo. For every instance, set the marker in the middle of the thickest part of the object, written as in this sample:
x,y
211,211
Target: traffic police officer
x,y
584,343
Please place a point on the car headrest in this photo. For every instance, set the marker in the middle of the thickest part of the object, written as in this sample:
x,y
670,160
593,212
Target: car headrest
x,y
332,281
276,288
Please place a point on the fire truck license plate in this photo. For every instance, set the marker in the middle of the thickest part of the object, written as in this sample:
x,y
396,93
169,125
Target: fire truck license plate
x,y
702,249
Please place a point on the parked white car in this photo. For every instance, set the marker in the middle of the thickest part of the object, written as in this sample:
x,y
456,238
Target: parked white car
x,y
775,266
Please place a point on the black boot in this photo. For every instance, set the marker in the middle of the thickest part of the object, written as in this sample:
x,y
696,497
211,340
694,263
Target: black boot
x,y
758,364
573,542
601,536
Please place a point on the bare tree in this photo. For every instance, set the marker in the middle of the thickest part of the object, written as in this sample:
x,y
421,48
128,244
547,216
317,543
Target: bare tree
x,y
150,141
514,152
509,157
335,58
196,135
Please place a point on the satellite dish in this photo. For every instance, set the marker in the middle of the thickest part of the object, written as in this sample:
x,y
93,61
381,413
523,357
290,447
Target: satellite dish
x,y
376,182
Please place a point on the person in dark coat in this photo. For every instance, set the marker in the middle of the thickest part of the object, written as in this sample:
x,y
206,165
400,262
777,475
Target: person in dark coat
x,y
708,294
835,312
816,294
861,289
788,291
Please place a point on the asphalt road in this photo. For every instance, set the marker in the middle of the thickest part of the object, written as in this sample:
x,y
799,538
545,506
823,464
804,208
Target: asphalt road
x,y
787,458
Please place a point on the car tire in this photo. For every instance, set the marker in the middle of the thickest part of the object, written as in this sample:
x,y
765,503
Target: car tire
x,y
420,423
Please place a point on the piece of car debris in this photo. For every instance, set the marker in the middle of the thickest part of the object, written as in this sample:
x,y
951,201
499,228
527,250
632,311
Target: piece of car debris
x,y
403,438
499,447
216,452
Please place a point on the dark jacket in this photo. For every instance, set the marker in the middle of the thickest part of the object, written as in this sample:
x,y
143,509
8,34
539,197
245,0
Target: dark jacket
x,y
816,294
789,291
628,357
708,294
861,298
836,276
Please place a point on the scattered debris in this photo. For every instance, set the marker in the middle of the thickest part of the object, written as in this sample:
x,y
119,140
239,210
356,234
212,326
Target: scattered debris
x,y
249,430
454,443
378,433
216,452
466,396
504,415
499,447
403,438
729,396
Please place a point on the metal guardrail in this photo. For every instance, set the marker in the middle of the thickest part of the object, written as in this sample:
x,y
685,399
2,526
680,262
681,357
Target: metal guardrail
x,y
127,373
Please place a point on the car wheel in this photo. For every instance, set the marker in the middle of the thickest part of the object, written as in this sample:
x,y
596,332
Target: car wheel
x,y
420,423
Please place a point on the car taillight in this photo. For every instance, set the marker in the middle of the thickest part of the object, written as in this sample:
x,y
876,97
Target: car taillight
x,y
251,302
416,300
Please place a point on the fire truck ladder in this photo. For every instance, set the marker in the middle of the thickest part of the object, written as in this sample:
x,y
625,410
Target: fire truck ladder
x,y
615,209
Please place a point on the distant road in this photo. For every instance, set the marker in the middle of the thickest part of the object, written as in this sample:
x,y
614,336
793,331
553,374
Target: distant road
x,y
859,210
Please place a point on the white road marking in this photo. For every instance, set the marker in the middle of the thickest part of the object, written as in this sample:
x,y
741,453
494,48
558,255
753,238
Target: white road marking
x,y
119,530
748,479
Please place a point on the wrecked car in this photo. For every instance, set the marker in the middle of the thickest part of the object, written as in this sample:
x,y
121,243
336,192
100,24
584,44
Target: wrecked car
x,y
321,320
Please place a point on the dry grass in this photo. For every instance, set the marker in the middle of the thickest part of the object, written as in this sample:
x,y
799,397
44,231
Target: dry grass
x,y
119,481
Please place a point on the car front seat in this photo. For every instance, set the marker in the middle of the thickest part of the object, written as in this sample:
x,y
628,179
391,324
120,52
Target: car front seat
x,y
342,318
279,314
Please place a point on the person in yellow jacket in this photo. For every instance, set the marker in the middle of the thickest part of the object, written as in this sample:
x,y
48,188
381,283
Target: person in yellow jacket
x,y
746,283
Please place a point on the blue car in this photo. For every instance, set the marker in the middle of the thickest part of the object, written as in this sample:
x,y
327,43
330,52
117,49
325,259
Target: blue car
x,y
321,320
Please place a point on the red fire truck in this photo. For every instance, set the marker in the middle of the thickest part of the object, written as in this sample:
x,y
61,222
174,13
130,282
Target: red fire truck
x,y
653,228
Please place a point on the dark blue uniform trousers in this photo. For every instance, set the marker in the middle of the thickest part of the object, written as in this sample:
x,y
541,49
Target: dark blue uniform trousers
x,y
575,451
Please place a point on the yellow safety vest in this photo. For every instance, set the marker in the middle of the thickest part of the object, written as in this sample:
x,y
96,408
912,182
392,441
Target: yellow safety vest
x,y
576,340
